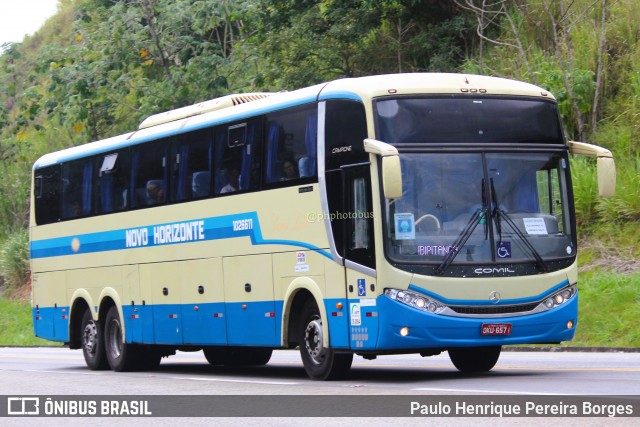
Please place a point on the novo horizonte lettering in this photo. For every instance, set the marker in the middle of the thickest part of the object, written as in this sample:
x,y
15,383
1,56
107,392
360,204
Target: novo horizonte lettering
x,y
163,234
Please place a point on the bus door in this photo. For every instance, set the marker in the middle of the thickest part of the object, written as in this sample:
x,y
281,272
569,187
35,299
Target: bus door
x,y
359,250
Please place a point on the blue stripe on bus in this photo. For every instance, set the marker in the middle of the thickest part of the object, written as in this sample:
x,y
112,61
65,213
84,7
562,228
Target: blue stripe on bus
x,y
248,323
464,302
214,228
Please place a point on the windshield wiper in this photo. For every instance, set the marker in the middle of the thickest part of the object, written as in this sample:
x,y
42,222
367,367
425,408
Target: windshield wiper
x,y
476,218
498,214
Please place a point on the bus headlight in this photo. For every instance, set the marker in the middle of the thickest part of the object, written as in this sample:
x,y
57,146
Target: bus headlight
x,y
415,300
561,297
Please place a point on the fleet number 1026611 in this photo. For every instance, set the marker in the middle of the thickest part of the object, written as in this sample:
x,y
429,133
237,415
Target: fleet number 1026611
x,y
243,224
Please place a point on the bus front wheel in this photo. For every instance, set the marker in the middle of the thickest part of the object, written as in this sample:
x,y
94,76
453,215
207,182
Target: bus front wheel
x,y
93,343
320,362
475,359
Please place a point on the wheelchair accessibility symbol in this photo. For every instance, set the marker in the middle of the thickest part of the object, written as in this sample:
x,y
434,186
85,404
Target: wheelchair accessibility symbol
x,y
503,249
362,289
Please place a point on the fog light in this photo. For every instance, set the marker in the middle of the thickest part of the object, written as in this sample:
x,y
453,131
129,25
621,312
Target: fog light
x,y
569,324
404,331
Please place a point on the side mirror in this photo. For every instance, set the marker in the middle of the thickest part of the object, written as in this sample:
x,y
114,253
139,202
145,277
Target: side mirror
x,y
606,177
605,164
391,169
391,177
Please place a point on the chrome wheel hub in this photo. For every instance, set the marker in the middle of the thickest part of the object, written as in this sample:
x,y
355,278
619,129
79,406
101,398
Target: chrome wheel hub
x,y
313,341
90,338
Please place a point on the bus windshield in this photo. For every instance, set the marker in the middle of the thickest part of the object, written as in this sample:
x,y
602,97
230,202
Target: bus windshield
x,y
487,207
467,120
516,211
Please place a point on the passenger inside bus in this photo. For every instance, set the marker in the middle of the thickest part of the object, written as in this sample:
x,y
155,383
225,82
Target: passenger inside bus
x,y
155,192
289,170
232,181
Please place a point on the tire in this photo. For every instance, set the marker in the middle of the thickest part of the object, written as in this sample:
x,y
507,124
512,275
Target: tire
x,y
320,363
237,356
92,339
475,359
121,356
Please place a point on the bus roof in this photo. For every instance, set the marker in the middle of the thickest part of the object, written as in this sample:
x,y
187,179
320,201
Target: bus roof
x,y
237,107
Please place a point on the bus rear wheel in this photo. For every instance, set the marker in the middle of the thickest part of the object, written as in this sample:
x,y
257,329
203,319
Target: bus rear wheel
x,y
320,362
93,343
121,356
475,359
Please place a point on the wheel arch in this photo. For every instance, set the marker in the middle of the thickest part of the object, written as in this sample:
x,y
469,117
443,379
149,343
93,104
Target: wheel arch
x,y
109,297
299,292
81,301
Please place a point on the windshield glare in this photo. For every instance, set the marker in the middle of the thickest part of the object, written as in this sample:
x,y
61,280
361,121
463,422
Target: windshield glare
x,y
444,193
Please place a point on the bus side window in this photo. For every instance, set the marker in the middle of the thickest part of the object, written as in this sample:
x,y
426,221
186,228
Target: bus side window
x,y
291,144
345,131
77,189
47,194
236,157
113,192
192,176
149,174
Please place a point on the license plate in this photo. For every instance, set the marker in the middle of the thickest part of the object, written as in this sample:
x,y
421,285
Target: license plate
x,y
496,329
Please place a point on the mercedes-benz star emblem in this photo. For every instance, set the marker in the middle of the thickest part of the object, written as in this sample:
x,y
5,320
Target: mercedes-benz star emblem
x,y
494,297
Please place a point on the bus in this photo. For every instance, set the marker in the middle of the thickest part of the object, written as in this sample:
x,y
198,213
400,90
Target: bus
x,y
407,213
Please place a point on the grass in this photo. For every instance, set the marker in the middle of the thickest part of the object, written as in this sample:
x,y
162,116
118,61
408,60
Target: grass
x,y
16,327
609,309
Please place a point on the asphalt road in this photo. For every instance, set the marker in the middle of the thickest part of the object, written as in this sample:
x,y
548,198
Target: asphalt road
x,y
60,371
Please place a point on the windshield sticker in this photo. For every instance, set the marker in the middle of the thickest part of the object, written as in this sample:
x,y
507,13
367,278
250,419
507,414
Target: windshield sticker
x,y
425,250
503,249
405,226
535,225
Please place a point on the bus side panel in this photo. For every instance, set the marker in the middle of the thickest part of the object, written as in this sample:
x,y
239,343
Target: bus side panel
x,y
336,292
203,319
363,311
132,308
250,309
161,282
50,311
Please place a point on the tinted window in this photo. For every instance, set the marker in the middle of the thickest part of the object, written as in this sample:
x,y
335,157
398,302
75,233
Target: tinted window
x,y
192,167
47,194
77,188
113,184
237,158
346,129
467,120
291,144
149,174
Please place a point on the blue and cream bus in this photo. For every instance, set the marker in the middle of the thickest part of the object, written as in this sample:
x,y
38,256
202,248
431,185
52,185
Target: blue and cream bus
x,y
408,213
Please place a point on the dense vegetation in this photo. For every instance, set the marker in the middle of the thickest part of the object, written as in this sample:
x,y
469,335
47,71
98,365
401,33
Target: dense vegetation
x,y
99,67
